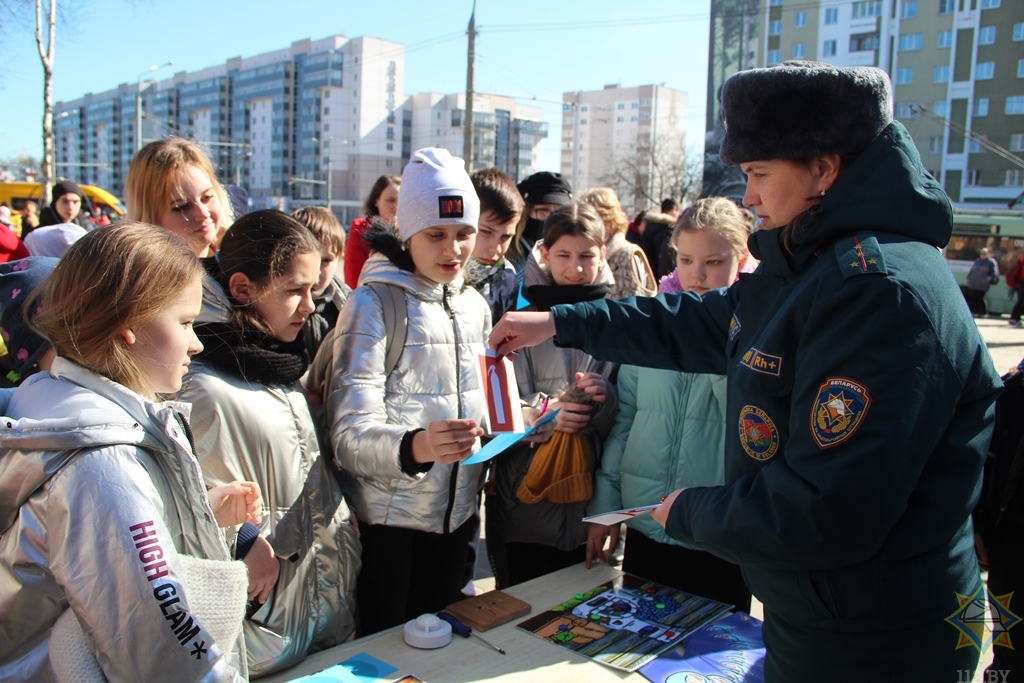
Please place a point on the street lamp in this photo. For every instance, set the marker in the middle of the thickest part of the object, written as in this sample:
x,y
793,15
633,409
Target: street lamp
x,y
139,87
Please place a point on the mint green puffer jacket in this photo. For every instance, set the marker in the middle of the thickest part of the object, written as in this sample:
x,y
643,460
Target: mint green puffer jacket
x,y
669,434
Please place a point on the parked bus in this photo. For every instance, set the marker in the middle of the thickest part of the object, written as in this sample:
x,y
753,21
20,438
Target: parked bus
x,y
1002,231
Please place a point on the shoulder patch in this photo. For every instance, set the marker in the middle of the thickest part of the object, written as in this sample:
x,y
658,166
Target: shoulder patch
x,y
859,254
838,411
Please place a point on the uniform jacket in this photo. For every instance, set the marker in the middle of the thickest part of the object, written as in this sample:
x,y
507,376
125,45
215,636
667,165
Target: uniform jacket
x,y
669,434
99,494
436,378
860,403
541,371
305,520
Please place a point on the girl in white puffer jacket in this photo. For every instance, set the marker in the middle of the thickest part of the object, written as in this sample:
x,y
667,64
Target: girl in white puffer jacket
x,y
400,437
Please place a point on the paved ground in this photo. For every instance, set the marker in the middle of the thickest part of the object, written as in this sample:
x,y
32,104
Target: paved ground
x,y
1005,343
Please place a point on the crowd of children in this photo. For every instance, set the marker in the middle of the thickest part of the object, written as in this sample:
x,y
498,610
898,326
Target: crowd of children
x,y
223,455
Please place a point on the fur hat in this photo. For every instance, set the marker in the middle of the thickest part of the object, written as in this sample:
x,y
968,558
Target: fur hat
x,y
436,190
800,110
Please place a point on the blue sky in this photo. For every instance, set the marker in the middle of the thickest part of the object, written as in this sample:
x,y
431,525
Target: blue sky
x,y
525,48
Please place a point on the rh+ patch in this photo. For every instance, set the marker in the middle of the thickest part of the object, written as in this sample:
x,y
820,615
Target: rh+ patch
x,y
838,411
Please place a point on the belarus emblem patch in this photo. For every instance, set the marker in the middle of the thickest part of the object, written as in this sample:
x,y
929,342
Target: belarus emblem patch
x,y
838,411
758,435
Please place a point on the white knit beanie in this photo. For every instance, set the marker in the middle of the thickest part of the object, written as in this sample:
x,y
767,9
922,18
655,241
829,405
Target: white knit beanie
x,y
436,190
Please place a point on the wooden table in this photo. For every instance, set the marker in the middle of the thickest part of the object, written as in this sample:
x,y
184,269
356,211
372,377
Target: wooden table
x,y
467,659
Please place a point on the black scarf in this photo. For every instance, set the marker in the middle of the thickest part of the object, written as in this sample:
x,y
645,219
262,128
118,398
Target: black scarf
x,y
252,355
546,296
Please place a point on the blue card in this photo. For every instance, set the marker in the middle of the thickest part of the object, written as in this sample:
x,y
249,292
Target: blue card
x,y
503,442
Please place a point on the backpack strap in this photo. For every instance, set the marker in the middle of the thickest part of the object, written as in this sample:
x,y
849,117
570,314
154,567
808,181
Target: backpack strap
x,y
396,321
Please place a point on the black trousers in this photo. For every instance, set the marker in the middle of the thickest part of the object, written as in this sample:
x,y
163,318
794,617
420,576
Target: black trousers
x,y
692,571
1018,305
1006,575
976,301
407,573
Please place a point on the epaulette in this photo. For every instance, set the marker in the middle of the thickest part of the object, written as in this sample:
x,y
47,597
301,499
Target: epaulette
x,y
859,255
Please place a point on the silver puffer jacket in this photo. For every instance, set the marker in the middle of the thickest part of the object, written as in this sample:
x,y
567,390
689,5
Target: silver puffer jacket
x,y
255,432
99,494
436,378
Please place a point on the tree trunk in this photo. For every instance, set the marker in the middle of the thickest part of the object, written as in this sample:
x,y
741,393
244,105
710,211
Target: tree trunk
x,y
46,57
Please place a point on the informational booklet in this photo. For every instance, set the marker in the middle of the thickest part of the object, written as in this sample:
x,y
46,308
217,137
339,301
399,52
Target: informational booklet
x,y
619,516
729,650
503,442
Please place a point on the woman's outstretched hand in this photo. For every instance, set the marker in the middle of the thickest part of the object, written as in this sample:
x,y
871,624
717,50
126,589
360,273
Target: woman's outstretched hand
x,y
516,330
660,514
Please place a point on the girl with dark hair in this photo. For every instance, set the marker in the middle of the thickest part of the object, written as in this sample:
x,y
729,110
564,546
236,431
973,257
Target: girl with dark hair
x,y
382,202
252,422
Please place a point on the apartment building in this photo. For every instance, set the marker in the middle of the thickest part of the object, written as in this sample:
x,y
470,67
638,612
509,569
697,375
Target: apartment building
x,y
616,135
957,68
283,124
506,135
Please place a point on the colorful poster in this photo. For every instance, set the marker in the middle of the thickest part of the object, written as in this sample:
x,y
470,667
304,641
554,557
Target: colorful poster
x,y
729,650
624,623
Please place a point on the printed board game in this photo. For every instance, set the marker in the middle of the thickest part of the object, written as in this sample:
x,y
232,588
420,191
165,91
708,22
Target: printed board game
x,y
624,623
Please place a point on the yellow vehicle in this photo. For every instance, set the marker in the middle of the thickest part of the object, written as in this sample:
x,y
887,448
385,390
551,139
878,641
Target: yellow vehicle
x,y
16,194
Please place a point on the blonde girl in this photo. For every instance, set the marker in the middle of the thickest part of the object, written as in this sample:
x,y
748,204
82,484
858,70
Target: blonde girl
x,y
171,183
103,494
632,272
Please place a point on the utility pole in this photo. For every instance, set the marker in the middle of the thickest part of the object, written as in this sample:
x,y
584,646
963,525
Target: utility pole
x,y
329,182
467,125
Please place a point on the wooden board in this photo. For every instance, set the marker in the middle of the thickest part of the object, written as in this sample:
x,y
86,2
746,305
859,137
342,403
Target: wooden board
x,y
488,610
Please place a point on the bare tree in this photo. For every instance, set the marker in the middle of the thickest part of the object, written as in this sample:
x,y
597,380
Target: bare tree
x,y
46,54
656,170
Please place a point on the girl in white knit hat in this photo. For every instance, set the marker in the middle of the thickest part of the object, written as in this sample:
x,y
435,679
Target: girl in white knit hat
x,y
400,436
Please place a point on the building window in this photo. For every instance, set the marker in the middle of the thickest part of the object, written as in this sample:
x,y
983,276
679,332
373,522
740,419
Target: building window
x,y
1017,142
774,57
908,10
799,50
634,117
935,145
904,76
775,3
990,4
831,15
863,41
828,48
391,146
974,145
389,163
622,105
800,19
1014,178
583,122
1014,105
945,39
980,107
327,110
634,105
906,110
987,35
941,108
910,41
985,71
947,6
868,8
620,119
584,108
973,177
1020,68
940,74
1018,31
775,28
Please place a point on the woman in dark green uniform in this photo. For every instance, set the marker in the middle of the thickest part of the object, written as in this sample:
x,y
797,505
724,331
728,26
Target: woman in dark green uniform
x,y
860,392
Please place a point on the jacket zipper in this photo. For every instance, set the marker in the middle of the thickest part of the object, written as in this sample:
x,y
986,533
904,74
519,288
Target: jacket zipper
x,y
452,482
